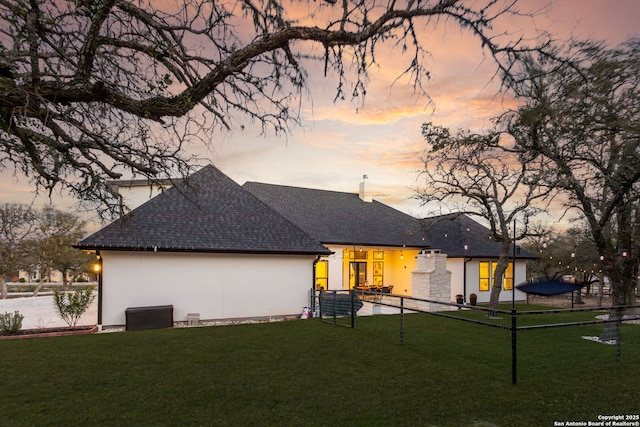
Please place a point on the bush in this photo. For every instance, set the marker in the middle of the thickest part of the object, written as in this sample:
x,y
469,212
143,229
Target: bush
x,y
72,305
10,323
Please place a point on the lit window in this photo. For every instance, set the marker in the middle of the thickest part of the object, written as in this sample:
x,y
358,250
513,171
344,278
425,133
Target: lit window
x,y
485,276
322,275
487,272
507,283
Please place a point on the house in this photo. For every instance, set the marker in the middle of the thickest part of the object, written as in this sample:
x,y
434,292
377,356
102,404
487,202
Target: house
x,y
204,246
374,244
210,246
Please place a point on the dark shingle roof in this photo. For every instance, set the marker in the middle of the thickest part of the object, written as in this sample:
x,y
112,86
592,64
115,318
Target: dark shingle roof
x,y
209,213
341,218
450,233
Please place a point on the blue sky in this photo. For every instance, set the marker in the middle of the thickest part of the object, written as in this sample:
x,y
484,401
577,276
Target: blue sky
x,y
338,143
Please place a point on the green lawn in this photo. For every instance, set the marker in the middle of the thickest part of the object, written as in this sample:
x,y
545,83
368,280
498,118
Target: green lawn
x,y
308,373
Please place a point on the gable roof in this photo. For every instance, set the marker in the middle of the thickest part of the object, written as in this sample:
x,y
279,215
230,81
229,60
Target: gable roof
x,y
450,233
341,218
208,212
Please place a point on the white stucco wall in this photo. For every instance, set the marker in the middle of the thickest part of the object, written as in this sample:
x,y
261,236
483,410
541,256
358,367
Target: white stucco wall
x,y
335,268
134,196
217,286
456,267
473,282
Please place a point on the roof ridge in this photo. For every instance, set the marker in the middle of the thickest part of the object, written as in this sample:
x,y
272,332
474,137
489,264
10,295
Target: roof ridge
x,y
354,193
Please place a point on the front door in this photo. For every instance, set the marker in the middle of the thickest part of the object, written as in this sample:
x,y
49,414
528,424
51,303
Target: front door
x,y
357,274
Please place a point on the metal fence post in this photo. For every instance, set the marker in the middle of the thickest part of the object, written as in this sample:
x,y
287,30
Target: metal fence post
x,y
335,297
401,320
619,316
353,308
514,336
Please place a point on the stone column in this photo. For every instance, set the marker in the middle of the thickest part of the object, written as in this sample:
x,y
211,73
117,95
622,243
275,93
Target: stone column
x,y
431,280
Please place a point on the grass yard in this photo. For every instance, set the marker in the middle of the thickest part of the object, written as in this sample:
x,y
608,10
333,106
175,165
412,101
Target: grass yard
x,y
308,373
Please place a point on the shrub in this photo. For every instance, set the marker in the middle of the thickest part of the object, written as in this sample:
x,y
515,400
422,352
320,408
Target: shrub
x,y
10,323
72,305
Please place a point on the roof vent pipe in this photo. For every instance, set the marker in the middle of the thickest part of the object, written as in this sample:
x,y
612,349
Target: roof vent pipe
x,y
363,190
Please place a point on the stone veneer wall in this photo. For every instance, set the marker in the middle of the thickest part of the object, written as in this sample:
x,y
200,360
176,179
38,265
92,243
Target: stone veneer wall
x,y
431,280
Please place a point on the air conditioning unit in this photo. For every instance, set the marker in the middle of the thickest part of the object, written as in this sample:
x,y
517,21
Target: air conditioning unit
x,y
152,317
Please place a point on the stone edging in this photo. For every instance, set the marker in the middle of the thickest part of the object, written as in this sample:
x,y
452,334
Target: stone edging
x,y
57,333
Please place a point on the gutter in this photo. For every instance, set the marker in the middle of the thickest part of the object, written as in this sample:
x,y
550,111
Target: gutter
x,y
197,250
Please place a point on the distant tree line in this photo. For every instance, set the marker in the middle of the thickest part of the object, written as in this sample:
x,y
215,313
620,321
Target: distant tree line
x,y
39,241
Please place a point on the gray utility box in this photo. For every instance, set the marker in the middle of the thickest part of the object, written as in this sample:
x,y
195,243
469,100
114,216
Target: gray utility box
x,y
153,317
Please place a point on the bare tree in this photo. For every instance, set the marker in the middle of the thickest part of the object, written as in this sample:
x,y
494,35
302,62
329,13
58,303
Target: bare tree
x,y
581,122
91,89
17,224
50,246
474,173
567,253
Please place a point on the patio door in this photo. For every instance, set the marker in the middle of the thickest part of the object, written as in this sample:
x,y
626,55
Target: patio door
x,y
357,274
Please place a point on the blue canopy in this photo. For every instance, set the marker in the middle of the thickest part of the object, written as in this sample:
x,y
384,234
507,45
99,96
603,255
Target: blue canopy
x,y
548,288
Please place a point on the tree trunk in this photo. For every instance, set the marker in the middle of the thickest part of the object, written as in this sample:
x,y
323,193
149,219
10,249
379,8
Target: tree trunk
x,y
578,299
494,299
37,288
3,288
622,295
498,276
65,281
600,289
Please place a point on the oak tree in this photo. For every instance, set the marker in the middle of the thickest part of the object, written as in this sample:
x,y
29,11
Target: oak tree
x,y
471,174
581,122
17,226
50,247
93,89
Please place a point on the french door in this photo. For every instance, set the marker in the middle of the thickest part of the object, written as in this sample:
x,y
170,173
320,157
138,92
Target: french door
x,y
357,274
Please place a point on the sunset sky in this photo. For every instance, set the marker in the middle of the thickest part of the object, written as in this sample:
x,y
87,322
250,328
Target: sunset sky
x,y
338,143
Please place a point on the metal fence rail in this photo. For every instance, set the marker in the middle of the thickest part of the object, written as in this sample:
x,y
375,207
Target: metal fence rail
x,y
335,305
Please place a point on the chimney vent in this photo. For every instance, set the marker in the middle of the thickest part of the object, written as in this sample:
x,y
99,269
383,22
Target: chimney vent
x,y
363,190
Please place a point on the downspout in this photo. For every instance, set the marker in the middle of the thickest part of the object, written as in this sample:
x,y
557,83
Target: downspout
x,y
464,278
313,286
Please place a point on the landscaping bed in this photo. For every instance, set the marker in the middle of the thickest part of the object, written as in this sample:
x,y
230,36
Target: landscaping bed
x,y
51,332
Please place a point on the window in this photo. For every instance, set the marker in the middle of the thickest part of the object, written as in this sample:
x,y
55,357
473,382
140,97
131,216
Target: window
x,y
322,275
507,283
485,275
358,254
487,272
378,271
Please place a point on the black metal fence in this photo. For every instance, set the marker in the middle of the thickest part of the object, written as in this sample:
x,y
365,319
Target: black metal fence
x,y
342,307
337,307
